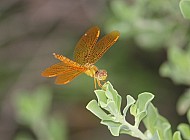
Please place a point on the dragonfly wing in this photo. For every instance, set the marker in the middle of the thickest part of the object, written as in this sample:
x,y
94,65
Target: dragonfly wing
x,y
85,45
67,77
60,68
102,46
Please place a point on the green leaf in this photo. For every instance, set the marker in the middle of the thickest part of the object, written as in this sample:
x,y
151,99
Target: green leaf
x,y
185,130
32,107
177,67
102,99
57,129
110,101
164,128
151,119
183,103
155,136
185,8
106,103
139,110
112,94
124,11
149,29
114,127
157,124
96,110
112,108
177,136
130,101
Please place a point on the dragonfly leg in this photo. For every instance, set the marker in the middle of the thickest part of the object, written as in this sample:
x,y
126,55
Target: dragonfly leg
x,y
95,82
99,83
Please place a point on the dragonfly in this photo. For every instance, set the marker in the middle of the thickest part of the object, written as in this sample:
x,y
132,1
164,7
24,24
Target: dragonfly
x,y
86,53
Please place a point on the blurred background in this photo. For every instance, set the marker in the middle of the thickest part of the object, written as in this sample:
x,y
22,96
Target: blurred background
x,y
152,54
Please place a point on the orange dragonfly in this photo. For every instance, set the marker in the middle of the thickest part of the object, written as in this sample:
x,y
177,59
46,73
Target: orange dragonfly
x,y
87,52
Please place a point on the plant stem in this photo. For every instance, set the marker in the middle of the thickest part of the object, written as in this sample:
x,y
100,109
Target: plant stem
x,y
136,132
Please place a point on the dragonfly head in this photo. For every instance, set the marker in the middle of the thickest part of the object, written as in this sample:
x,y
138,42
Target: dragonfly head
x,y
101,74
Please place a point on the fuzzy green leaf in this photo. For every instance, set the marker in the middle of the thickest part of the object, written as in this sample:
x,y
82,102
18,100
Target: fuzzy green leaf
x,y
130,101
177,67
114,127
185,8
102,99
32,107
151,119
110,100
57,128
139,109
155,136
177,136
157,124
96,110
112,94
183,103
185,130
100,94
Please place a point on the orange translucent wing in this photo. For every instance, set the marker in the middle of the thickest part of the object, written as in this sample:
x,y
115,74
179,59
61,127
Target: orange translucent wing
x,y
61,68
85,45
102,46
67,77
68,61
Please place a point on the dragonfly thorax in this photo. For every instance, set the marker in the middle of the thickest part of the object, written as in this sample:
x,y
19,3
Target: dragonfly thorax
x,y
91,70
